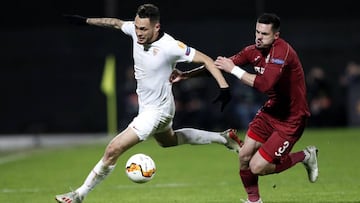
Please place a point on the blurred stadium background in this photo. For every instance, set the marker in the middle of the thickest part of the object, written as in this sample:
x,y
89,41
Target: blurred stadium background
x,y
50,71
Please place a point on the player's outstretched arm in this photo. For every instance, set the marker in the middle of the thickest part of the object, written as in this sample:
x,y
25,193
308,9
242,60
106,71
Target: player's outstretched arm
x,y
210,66
75,19
178,75
224,96
101,22
228,65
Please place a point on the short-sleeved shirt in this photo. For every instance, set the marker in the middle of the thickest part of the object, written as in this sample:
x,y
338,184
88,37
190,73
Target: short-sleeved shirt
x,y
280,76
153,66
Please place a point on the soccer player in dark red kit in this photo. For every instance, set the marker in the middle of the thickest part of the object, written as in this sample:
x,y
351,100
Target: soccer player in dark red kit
x,y
281,121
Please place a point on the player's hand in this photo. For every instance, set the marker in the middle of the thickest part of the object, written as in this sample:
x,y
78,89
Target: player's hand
x,y
176,76
224,63
75,19
224,97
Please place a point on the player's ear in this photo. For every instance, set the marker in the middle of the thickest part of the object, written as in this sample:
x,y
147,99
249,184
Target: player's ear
x,y
157,26
277,35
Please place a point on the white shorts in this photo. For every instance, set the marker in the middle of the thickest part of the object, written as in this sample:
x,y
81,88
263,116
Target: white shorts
x,y
153,120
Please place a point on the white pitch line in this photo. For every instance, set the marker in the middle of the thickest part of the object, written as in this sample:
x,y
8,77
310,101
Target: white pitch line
x,y
21,190
13,157
155,185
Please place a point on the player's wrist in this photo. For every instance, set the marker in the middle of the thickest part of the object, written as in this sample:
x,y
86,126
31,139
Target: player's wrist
x,y
238,72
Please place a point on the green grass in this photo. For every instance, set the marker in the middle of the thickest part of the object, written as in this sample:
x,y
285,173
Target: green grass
x,y
185,174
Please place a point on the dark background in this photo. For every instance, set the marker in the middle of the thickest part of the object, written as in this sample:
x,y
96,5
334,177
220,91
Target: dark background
x,y
50,71
23,14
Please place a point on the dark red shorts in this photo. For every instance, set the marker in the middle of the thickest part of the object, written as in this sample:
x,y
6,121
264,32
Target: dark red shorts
x,y
278,137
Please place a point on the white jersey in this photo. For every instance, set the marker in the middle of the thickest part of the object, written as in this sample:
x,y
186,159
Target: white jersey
x,y
154,65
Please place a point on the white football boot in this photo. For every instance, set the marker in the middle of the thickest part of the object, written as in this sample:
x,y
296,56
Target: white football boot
x,y
70,197
310,162
248,201
233,142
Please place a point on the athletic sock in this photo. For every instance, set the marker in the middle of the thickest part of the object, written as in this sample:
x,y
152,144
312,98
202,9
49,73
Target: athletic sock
x,y
250,182
99,173
289,161
198,137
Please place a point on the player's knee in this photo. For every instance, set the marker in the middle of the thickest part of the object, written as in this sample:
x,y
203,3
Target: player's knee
x,y
245,158
112,153
257,168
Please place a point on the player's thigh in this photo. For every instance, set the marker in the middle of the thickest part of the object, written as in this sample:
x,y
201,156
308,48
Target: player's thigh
x,y
124,140
277,146
150,122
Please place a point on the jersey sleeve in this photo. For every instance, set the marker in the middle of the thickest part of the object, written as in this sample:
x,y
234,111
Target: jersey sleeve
x,y
241,58
128,28
273,69
181,51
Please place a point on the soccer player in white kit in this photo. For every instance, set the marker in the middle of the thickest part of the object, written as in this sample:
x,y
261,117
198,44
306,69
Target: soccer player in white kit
x,y
155,56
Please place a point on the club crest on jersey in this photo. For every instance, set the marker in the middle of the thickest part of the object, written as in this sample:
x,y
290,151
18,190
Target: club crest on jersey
x,y
277,61
155,51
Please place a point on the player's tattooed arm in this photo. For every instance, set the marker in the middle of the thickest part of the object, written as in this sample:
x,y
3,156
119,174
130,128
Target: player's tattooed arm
x,y
105,22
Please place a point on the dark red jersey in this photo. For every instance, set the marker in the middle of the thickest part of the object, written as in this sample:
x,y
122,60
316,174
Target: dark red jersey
x,y
279,75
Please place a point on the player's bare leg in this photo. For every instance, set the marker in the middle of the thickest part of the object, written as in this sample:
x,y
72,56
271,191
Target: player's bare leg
x,y
117,146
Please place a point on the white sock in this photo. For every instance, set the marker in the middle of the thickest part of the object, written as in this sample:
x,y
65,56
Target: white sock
x,y
198,137
99,173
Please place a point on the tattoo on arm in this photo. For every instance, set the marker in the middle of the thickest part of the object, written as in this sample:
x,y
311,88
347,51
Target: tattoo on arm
x,y
105,22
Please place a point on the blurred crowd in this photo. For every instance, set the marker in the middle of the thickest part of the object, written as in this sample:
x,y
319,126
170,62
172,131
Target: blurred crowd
x,y
330,100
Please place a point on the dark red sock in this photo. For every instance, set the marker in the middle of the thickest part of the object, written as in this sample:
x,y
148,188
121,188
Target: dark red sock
x,y
250,182
289,161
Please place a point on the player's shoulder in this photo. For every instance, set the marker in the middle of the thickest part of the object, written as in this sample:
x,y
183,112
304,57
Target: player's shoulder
x,y
250,48
283,51
166,40
280,42
249,51
172,43
286,47
167,37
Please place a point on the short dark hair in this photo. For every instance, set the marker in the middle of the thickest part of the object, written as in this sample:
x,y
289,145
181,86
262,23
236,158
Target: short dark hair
x,y
149,11
270,18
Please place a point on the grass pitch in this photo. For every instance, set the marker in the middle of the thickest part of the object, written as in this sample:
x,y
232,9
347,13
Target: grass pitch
x,y
185,174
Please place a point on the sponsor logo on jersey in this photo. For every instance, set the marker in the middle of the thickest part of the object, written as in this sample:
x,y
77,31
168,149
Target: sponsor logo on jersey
x,y
277,61
256,58
259,69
